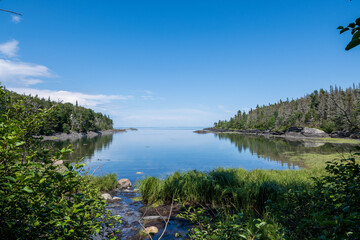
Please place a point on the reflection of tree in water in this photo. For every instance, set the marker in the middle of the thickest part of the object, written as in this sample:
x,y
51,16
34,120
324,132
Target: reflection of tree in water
x,y
83,147
280,149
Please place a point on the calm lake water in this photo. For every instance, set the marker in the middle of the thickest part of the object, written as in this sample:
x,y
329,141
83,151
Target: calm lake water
x,y
159,152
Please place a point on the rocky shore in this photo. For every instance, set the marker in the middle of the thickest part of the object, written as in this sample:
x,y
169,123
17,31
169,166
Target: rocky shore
x,y
76,135
291,133
139,220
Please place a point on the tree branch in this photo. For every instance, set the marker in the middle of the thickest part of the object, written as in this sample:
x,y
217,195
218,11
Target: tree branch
x,y
11,12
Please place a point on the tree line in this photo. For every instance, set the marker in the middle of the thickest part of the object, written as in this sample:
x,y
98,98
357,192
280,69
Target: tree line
x,y
331,110
66,117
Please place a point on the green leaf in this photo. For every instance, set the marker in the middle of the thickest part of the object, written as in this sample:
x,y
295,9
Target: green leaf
x,y
351,25
340,27
27,189
11,179
344,30
353,43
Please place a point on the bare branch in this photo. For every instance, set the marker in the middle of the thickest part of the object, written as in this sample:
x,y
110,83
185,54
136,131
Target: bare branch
x,y
11,12
167,222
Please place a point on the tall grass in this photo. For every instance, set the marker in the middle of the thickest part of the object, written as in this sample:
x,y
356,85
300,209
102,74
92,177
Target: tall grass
x,y
106,182
237,189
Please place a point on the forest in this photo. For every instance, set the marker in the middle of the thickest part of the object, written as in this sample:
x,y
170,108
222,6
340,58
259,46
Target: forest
x,y
66,117
334,110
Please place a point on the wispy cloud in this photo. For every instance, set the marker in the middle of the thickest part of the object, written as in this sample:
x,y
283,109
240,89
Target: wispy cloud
x,y
22,73
14,72
15,19
86,100
9,48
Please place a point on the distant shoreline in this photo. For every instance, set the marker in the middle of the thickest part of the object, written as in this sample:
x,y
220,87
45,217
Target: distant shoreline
x,y
77,135
288,136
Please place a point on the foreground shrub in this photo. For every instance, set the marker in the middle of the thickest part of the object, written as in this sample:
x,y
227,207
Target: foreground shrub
x,y
329,210
38,199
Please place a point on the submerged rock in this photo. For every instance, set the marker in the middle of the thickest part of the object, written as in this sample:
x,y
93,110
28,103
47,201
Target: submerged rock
x,y
124,183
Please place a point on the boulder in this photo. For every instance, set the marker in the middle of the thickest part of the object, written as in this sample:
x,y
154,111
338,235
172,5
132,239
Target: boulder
x,y
124,183
151,230
117,198
313,132
106,196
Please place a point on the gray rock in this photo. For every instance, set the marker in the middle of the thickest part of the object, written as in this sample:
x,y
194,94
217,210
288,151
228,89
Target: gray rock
x,y
117,198
106,196
313,132
124,183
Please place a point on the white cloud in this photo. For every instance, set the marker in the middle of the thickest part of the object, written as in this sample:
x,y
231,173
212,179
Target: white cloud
x,y
15,18
22,73
86,100
9,48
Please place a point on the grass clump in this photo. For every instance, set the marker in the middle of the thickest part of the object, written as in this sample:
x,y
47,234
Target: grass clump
x,y
226,188
106,182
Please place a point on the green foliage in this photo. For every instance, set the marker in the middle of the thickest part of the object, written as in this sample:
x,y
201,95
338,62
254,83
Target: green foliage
x,y
329,210
65,117
224,226
355,32
104,183
235,189
328,126
38,199
334,110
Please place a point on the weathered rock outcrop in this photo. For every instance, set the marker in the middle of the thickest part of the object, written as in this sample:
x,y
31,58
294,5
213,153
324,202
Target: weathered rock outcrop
x,y
305,132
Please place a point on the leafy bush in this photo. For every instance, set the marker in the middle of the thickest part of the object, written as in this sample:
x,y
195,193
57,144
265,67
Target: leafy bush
x,y
329,210
38,199
225,226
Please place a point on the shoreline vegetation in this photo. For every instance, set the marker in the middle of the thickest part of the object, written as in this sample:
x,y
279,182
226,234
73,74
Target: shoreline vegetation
x,y
288,135
323,113
316,203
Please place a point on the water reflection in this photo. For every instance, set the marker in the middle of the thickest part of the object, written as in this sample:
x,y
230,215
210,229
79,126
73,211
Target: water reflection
x,y
279,149
159,152
84,147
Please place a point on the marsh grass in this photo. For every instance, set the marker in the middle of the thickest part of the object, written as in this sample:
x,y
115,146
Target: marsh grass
x,y
236,189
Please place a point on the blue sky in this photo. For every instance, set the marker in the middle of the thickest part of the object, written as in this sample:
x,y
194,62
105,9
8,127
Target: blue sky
x,y
175,63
